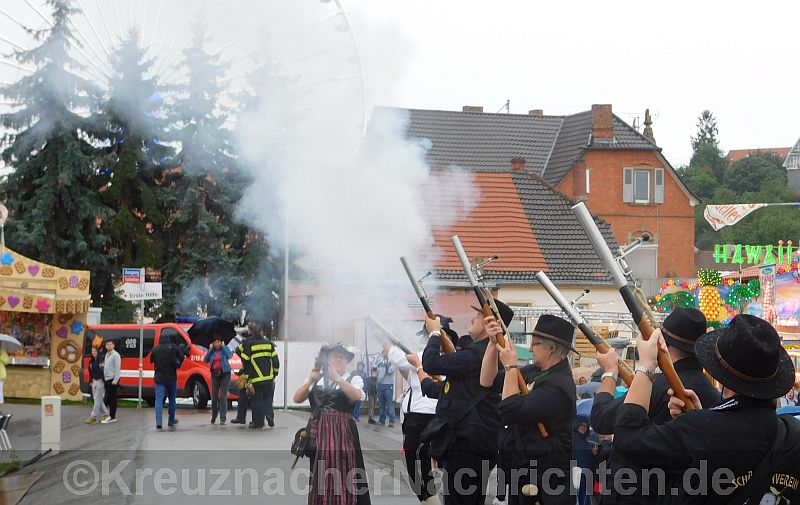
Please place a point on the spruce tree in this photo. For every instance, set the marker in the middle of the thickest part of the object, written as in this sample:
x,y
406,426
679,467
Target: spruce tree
x,y
51,190
137,137
204,267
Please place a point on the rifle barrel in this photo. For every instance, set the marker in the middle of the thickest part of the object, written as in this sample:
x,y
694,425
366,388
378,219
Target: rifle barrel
x,y
628,296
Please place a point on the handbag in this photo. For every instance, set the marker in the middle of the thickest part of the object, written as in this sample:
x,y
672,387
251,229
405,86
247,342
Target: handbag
x,y
440,433
304,444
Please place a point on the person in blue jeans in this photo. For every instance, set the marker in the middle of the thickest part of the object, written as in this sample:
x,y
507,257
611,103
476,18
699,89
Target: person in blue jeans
x,y
386,373
166,359
359,372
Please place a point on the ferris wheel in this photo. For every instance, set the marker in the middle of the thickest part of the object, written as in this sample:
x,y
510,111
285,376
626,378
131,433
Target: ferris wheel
x,y
309,41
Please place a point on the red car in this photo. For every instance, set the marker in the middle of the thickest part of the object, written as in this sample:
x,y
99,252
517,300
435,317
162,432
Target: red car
x,y
194,376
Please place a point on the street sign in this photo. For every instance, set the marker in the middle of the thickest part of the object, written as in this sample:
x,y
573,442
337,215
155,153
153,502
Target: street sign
x,y
138,292
133,275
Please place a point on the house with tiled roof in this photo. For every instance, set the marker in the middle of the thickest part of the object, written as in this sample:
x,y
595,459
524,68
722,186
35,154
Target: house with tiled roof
x,y
592,156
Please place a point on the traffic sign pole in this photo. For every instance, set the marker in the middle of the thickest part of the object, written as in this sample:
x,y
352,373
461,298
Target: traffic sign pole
x,y
141,352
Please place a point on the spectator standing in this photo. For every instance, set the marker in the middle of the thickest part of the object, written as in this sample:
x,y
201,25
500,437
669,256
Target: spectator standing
x,y
97,380
788,400
583,442
217,357
166,359
386,372
112,371
372,394
359,372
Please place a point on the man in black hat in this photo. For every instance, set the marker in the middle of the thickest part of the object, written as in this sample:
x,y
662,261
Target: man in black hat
x,y
742,440
470,409
541,422
680,329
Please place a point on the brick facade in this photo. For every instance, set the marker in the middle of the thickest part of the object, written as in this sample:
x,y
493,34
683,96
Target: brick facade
x,y
671,224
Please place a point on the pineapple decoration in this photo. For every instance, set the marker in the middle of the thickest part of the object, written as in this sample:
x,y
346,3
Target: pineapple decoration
x,y
709,300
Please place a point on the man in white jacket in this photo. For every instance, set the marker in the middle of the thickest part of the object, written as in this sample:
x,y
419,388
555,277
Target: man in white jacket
x,y
417,411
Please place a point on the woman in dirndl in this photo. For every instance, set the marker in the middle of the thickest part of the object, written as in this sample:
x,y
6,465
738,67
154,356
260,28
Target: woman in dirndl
x,y
332,400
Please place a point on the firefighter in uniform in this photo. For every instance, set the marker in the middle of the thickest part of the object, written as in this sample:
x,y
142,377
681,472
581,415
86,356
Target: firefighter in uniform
x,y
260,358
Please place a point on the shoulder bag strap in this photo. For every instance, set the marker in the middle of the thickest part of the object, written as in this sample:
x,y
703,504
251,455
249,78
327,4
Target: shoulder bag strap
x,y
762,475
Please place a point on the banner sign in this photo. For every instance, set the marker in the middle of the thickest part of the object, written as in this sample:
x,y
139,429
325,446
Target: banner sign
x,y
720,216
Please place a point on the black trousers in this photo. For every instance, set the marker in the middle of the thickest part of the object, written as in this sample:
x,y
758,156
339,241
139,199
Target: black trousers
x,y
111,398
241,410
467,474
419,468
262,402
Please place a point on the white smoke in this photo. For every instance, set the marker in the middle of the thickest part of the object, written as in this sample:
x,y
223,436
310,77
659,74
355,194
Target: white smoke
x,y
354,203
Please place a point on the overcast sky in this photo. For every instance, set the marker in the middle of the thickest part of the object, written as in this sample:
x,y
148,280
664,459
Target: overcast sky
x,y
738,59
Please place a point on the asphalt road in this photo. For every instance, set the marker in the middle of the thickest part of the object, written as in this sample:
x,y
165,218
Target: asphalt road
x,y
130,462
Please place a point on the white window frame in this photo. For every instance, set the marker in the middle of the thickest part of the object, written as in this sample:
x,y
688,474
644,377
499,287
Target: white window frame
x,y
650,175
587,181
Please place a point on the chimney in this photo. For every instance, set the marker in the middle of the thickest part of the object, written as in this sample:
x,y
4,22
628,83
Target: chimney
x,y
536,112
472,108
602,122
518,164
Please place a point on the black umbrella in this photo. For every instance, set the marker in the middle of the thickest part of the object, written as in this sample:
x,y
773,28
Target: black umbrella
x,y
203,331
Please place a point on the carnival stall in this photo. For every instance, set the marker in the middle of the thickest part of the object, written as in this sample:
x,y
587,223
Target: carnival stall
x,y
45,308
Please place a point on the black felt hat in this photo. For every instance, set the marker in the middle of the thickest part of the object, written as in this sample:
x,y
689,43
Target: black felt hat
x,y
683,327
555,329
748,358
341,349
445,327
506,314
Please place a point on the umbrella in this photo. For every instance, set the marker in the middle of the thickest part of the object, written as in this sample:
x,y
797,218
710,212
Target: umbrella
x,y
584,407
203,331
9,343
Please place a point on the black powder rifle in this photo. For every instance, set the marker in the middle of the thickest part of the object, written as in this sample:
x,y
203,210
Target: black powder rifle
x,y
396,341
447,345
620,272
486,308
572,312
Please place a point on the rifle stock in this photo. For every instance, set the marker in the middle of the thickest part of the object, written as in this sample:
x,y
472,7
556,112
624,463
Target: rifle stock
x,y
447,344
625,372
486,309
629,297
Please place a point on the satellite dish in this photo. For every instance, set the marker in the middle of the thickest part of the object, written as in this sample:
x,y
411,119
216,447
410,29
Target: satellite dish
x,y
3,214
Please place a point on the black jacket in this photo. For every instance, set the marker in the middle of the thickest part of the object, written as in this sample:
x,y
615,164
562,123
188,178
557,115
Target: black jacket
x,y
166,359
605,409
96,367
551,402
605,406
735,435
476,429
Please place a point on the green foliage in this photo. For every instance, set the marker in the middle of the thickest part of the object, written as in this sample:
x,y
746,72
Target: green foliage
x,y
125,180
50,192
758,178
707,130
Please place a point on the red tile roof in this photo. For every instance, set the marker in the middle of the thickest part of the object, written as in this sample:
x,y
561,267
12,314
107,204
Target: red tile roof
x,y
497,225
738,154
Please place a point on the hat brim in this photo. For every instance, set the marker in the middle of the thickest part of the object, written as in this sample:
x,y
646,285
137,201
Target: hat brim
x,y
340,350
556,340
705,350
